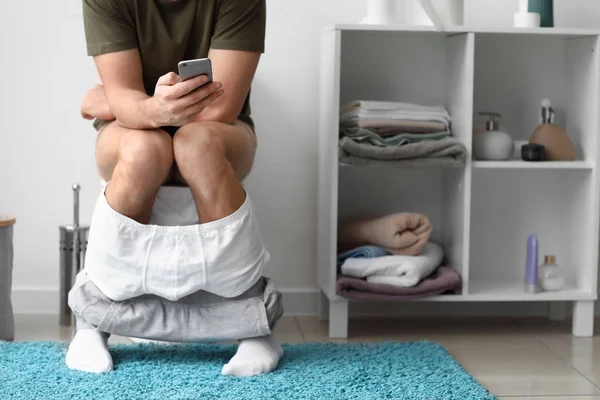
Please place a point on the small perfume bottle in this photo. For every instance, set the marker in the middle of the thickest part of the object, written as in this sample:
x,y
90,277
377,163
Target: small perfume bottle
x,y
551,276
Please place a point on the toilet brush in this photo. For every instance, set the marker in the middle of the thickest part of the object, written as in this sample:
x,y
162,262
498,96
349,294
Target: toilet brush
x,y
72,246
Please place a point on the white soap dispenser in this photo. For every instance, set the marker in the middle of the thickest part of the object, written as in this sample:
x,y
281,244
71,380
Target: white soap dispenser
x,y
492,144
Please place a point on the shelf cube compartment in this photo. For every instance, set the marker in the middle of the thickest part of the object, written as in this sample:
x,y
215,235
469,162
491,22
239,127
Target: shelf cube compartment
x,y
554,205
513,72
384,191
426,68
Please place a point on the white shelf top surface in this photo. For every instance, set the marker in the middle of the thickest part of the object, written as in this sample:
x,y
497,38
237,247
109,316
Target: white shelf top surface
x,y
510,291
382,28
518,164
557,31
494,290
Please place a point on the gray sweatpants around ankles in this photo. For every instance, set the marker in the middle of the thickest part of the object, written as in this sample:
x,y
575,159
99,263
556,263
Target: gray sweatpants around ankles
x,y
201,316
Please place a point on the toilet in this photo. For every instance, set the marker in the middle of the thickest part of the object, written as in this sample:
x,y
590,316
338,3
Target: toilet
x,y
174,206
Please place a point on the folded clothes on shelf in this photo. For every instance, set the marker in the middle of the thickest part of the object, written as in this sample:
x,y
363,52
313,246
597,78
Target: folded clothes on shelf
x,y
400,233
357,112
390,127
445,280
361,135
402,271
446,152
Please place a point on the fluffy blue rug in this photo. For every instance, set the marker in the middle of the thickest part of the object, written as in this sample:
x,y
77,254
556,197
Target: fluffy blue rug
x,y
320,371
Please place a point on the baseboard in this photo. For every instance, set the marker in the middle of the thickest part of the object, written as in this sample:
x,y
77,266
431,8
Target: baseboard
x,y
35,300
304,301
300,302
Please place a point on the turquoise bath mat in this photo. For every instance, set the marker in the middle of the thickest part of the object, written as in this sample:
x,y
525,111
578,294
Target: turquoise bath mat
x,y
319,371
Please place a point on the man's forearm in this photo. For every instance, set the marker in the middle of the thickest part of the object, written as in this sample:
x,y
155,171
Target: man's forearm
x,y
132,109
217,114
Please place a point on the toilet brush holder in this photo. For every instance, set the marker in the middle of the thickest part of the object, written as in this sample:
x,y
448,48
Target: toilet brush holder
x,y
72,248
7,320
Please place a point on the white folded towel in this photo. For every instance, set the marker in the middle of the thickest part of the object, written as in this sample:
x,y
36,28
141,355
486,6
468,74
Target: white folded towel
x,y
402,271
398,281
377,110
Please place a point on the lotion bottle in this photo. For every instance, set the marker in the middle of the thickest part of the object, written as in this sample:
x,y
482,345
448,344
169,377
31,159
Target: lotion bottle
x,y
493,144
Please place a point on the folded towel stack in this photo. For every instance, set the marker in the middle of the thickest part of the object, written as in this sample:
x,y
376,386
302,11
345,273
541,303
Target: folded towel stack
x,y
391,256
402,271
388,118
412,135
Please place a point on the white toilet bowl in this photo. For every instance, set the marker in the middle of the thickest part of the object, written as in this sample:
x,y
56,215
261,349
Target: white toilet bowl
x,y
173,206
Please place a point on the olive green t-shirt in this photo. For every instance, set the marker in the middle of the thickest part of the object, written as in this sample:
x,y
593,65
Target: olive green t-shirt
x,y
166,32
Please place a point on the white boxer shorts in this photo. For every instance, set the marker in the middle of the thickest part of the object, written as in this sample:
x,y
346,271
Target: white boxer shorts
x,y
126,259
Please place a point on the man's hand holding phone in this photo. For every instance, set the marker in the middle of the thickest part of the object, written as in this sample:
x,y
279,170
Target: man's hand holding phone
x,y
177,103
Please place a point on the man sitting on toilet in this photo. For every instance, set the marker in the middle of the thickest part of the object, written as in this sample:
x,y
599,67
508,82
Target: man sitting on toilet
x,y
180,283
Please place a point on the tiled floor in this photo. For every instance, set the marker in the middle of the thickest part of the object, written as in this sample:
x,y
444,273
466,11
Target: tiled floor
x,y
514,359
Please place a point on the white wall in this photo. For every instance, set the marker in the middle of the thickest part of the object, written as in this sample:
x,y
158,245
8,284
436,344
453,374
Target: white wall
x,y
567,13
45,146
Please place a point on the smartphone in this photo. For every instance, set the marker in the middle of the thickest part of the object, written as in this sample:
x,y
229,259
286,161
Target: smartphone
x,y
189,69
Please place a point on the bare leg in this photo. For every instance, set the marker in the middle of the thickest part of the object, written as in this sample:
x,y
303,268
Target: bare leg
x,y
212,159
136,163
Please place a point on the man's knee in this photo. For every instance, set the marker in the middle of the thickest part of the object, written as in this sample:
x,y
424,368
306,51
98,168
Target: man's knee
x,y
199,141
147,151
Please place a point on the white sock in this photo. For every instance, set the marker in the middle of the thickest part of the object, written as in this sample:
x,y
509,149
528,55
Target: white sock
x,y
88,352
254,356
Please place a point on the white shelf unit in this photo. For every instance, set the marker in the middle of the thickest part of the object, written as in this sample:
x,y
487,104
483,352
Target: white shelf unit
x,y
483,213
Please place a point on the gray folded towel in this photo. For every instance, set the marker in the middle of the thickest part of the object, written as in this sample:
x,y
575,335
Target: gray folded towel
x,y
437,153
367,136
